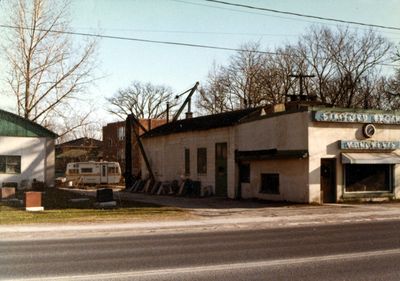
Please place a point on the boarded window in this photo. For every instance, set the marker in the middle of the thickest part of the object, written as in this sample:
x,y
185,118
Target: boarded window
x,y
86,170
244,172
187,161
270,183
202,160
10,164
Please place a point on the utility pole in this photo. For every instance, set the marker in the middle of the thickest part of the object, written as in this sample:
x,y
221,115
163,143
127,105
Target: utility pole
x,y
131,123
168,106
301,78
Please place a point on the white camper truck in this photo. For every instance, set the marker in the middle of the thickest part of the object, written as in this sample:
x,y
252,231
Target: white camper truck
x,y
94,172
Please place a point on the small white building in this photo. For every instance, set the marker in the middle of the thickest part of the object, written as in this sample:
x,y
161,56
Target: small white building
x,y
294,152
26,151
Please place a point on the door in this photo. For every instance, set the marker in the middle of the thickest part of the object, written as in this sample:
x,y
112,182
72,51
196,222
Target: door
x,y
221,173
328,180
103,174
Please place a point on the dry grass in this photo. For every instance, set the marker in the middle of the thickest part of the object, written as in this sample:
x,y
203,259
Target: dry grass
x,y
59,209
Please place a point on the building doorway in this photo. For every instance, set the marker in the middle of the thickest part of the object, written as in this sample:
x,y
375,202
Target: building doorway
x,y
221,171
328,180
103,175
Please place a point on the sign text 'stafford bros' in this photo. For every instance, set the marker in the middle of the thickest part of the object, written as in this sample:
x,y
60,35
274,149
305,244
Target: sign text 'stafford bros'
x,y
354,117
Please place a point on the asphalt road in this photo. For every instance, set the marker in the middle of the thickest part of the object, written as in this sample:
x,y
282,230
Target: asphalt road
x,y
364,251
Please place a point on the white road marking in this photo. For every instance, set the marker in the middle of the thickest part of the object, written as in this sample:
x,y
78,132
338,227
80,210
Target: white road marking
x,y
211,268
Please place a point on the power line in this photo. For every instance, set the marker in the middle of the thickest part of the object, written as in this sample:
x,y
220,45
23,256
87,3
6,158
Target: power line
x,y
186,32
143,40
158,41
241,11
281,17
303,15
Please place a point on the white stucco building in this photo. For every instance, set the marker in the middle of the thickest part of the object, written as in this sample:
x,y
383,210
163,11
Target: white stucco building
x,y
26,151
295,152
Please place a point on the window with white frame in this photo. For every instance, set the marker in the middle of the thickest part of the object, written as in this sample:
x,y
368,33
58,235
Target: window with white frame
x,y
10,164
121,133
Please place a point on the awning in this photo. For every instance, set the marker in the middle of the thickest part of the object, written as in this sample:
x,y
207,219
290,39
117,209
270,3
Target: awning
x,y
370,158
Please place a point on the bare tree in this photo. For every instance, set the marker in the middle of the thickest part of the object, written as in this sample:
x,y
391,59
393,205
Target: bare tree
x,y
46,69
240,84
393,83
277,78
244,74
215,96
75,126
143,100
346,66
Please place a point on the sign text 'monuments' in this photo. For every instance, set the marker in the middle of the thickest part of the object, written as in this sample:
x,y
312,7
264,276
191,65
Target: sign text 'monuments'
x,y
369,145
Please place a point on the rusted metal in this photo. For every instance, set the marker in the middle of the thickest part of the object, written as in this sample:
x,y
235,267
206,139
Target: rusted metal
x,y
186,102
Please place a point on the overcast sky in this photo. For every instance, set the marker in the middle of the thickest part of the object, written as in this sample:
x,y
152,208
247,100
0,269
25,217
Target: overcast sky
x,y
204,23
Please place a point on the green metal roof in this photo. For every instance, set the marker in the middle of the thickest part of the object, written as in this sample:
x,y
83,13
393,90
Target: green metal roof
x,y
12,125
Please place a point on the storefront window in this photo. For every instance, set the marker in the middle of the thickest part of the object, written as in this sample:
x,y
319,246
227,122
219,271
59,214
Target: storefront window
x,y
368,177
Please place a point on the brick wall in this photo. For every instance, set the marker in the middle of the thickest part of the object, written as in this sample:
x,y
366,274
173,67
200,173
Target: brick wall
x,y
114,142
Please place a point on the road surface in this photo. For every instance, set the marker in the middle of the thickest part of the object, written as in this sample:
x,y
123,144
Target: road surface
x,y
361,251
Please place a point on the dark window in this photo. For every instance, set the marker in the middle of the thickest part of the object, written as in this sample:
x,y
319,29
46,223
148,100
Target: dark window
x,y
86,170
368,177
73,171
3,164
221,151
187,161
270,183
202,160
244,172
10,164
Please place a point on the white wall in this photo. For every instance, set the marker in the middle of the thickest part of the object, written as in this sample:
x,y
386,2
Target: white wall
x,y
299,179
324,140
292,180
282,132
33,157
166,155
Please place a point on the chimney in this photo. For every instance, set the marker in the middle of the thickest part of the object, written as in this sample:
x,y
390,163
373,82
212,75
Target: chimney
x,y
189,115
